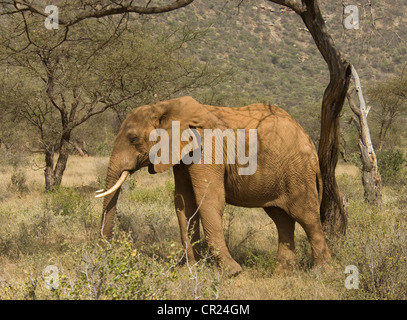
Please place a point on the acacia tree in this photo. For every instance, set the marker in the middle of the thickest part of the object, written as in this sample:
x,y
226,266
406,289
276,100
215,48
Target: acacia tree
x,y
56,92
63,78
333,211
389,97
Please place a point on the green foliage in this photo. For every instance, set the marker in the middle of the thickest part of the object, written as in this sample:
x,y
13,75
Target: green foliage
x,y
64,201
110,64
118,272
143,262
264,264
272,61
19,181
375,242
392,166
388,98
149,195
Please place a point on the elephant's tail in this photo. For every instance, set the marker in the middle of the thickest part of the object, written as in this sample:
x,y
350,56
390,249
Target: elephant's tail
x,y
319,184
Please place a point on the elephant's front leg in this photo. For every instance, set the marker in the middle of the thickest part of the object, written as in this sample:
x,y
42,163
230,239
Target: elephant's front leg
x,y
210,198
188,215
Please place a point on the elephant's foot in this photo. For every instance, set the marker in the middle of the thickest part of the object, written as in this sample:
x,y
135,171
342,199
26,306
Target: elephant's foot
x,y
284,268
285,259
230,267
324,264
322,257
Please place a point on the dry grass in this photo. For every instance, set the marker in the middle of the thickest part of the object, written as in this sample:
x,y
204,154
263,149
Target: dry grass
x,y
348,169
39,229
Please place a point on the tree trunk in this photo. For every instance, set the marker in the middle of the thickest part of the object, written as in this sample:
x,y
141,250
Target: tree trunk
x,y
49,169
381,139
372,182
333,210
53,176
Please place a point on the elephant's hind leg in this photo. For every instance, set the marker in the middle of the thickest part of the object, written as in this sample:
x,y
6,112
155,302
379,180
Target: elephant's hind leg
x,y
308,217
286,247
316,237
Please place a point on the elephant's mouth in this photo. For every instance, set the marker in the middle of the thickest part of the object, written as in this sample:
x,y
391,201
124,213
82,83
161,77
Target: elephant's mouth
x,y
151,169
131,171
125,173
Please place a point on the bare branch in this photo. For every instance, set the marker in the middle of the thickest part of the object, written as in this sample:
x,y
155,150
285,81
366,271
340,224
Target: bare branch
x,y
352,104
298,7
33,150
129,9
90,113
111,9
28,7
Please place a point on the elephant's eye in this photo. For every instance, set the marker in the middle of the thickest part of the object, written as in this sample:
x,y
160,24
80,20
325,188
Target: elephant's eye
x,y
134,139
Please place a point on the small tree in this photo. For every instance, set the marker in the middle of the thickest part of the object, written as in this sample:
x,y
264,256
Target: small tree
x,y
389,98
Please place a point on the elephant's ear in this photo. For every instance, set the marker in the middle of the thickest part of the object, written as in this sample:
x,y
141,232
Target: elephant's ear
x,y
176,121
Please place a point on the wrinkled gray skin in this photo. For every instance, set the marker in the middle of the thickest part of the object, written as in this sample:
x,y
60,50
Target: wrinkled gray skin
x,y
286,184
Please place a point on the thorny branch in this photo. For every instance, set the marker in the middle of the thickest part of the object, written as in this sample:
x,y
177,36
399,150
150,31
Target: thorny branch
x,y
96,10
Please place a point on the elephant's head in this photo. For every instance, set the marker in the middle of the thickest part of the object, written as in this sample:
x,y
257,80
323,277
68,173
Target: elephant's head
x,y
133,144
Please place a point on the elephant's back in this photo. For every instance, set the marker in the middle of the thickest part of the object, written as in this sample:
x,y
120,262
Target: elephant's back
x,y
251,117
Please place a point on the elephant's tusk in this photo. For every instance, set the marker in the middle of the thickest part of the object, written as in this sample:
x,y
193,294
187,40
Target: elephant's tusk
x,y
99,191
116,186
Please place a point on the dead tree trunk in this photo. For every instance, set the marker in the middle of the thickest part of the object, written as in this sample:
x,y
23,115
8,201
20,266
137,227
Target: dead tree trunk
x,y
372,182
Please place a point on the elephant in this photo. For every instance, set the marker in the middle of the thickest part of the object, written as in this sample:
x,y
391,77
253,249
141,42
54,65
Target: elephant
x,y
286,181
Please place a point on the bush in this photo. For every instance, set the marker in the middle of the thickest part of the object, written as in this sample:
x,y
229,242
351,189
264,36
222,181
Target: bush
x,y
64,201
118,271
74,205
392,166
27,237
18,181
376,243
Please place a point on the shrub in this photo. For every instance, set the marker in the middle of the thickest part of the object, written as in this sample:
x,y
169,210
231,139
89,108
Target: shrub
x,y
26,237
118,271
64,201
392,165
376,243
18,181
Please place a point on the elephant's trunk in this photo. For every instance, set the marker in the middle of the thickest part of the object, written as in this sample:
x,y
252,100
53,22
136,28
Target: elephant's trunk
x,y
114,180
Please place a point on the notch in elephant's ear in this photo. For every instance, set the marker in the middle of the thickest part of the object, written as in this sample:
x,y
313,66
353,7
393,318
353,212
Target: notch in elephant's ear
x,y
176,122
